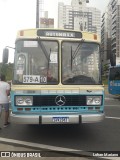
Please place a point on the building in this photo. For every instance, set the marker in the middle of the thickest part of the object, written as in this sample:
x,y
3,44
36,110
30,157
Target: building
x,y
106,40
63,16
110,33
115,39
46,22
78,16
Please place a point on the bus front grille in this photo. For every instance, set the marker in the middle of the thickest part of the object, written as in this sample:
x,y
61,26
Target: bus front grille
x,y
61,100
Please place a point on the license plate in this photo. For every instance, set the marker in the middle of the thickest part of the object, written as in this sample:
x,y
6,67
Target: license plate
x,y
60,119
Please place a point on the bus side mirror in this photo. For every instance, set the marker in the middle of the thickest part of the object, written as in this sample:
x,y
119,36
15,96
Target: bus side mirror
x,y
5,55
113,59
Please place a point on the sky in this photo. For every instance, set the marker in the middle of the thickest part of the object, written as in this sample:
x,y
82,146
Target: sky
x,y
21,14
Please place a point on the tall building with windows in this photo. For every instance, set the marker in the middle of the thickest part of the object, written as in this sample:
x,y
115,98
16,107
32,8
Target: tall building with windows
x,y
110,33
106,39
115,39
78,16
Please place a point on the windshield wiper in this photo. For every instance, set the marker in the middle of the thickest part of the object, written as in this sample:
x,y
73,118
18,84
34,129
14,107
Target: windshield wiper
x,y
48,66
73,55
45,52
43,48
76,51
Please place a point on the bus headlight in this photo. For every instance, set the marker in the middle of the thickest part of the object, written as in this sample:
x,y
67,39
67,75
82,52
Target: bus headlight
x,y
28,101
94,100
19,100
23,100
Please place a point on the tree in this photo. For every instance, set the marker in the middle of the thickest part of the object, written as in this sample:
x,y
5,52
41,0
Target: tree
x,y
7,70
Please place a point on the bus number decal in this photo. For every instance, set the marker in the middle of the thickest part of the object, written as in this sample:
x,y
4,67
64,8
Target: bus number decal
x,y
34,79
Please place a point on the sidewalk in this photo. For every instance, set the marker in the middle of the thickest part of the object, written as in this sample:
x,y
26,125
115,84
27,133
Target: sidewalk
x,y
106,89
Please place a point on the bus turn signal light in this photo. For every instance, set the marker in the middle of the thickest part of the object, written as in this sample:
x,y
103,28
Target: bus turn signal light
x,y
27,109
20,109
21,33
95,36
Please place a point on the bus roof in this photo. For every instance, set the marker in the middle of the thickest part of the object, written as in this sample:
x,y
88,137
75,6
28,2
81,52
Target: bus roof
x,y
58,33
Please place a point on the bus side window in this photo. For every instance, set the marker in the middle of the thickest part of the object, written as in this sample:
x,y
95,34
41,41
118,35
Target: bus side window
x,y
117,75
21,68
111,76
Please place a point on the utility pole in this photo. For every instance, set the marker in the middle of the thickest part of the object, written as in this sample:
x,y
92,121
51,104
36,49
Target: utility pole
x,y
37,13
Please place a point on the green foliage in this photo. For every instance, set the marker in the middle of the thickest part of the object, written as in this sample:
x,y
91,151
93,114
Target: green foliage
x,y
105,80
106,67
7,70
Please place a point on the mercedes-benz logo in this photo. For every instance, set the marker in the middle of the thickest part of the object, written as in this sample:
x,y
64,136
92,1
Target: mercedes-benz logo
x,y
60,100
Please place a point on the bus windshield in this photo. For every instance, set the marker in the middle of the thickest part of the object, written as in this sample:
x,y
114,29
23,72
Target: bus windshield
x,y
114,73
80,63
36,62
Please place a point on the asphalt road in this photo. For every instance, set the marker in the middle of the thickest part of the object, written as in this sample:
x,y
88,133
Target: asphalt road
x,y
103,136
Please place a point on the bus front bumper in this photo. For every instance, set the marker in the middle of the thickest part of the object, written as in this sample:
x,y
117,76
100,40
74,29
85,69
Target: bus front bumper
x,y
57,119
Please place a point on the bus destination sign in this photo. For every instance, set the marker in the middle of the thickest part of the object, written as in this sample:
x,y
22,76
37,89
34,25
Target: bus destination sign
x,y
59,33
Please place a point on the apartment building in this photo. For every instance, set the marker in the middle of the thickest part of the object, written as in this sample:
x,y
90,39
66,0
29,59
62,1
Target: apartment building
x,y
110,33
78,16
115,39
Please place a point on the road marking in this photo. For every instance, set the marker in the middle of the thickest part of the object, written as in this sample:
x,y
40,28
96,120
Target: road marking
x,y
113,117
112,99
108,98
110,105
36,145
